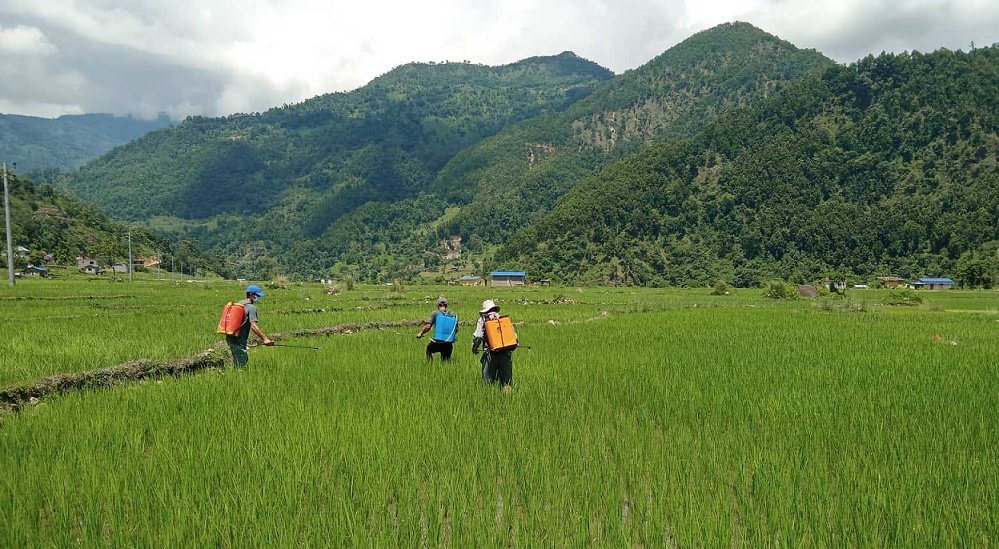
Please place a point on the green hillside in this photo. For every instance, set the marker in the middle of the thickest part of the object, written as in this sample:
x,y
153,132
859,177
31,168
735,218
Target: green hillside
x,y
363,179
885,166
45,220
63,143
331,154
513,178
517,176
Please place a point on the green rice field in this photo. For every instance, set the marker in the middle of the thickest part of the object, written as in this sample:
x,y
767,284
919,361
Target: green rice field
x,y
639,417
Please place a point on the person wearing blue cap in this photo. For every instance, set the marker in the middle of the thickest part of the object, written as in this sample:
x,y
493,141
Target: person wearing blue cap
x,y
238,343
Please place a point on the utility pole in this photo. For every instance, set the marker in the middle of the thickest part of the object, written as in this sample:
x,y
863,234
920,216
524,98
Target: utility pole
x,y
10,237
130,255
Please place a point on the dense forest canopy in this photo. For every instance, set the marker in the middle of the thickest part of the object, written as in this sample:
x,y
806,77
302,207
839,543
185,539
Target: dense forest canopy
x,y
383,141
732,156
517,176
370,178
886,166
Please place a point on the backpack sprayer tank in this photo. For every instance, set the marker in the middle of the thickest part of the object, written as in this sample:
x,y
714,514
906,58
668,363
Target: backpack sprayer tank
x,y
445,328
231,322
500,334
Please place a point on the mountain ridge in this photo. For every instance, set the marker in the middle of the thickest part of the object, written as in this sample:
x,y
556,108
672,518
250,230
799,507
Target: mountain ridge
x,y
377,141
68,141
888,165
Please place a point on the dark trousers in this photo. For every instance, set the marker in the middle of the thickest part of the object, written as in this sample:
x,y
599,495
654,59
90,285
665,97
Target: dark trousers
x,y
497,366
439,347
239,353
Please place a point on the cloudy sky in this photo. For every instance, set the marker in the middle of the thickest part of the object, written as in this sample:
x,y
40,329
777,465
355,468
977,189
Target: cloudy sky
x,y
217,57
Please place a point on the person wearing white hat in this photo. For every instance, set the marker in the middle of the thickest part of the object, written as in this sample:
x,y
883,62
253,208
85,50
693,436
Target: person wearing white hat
x,y
496,365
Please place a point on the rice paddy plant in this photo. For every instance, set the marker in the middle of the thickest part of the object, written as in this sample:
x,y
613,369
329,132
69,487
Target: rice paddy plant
x,y
658,425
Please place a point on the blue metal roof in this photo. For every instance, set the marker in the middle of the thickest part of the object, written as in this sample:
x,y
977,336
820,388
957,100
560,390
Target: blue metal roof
x,y
508,273
935,281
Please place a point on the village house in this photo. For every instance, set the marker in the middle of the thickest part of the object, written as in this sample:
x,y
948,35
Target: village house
x,y
22,251
508,278
92,269
83,262
35,271
471,280
891,282
929,283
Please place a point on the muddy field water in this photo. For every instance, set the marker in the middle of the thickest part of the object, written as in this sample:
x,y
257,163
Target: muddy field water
x,y
638,417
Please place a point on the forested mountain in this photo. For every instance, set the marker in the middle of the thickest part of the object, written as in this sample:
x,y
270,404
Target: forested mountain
x,y
66,142
366,178
513,178
732,156
516,176
45,220
333,153
886,166
506,181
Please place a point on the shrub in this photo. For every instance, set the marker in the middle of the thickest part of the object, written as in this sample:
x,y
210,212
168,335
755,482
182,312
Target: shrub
x,y
280,282
903,297
720,288
779,289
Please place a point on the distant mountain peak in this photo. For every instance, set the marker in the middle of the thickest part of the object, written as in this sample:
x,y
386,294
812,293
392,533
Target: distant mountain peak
x,y
738,31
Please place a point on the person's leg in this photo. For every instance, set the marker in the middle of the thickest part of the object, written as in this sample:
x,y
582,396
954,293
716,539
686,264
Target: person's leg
x,y
487,372
430,351
446,350
504,368
240,356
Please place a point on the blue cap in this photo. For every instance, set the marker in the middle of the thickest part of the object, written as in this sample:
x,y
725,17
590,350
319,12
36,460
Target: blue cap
x,y
254,289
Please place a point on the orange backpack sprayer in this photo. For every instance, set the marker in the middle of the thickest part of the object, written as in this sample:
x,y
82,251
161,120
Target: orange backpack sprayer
x,y
500,334
232,319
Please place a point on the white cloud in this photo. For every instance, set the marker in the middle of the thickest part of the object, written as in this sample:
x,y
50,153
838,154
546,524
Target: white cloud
x,y
222,56
23,41
847,30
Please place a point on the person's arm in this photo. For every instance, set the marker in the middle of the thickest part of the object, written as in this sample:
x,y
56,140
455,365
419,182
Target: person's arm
x,y
260,333
477,336
427,325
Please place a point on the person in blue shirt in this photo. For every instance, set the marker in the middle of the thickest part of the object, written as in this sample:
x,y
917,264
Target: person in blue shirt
x,y
238,343
445,326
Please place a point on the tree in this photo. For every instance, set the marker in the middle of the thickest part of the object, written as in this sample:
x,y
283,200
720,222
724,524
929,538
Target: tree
x,y
973,271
